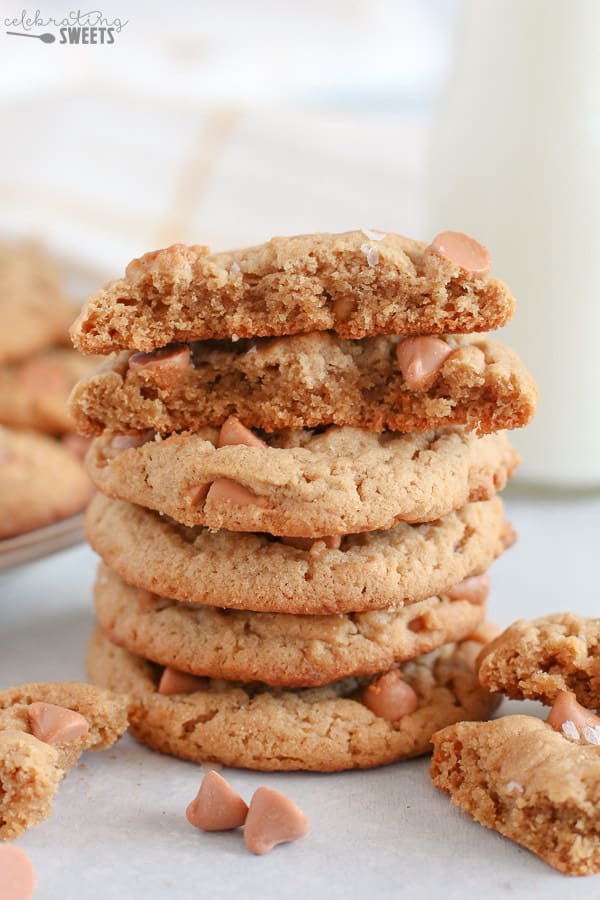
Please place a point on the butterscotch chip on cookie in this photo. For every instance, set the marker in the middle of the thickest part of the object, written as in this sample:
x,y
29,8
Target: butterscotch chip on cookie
x,y
538,659
531,783
40,482
276,648
41,737
323,729
34,393
310,484
260,573
305,381
34,311
357,283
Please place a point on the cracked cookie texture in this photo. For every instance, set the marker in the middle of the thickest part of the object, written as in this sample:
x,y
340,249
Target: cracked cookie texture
x,y
239,570
323,729
538,659
276,648
356,283
306,381
339,481
521,778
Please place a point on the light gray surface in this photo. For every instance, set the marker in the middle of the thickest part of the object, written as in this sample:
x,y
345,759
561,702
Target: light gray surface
x,y
118,828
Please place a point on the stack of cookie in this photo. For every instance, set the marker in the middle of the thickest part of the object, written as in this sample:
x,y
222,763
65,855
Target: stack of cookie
x,y
298,447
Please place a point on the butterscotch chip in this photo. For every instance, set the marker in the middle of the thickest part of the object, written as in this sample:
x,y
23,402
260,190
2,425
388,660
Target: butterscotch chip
x,y
275,648
343,282
390,697
540,658
310,380
259,573
216,807
34,311
175,682
273,819
31,768
520,777
34,393
56,725
463,250
17,875
228,492
420,360
475,589
309,484
323,729
40,482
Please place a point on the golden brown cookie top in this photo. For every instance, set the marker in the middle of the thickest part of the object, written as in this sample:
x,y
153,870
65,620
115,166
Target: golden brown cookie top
x,y
356,283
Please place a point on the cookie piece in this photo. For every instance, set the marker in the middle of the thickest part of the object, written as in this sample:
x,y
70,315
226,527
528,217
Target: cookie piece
x,y
278,649
40,482
31,769
520,777
323,729
314,484
539,659
34,393
260,573
34,311
357,283
305,381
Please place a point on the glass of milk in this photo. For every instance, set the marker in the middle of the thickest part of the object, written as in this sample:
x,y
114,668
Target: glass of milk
x,y
515,161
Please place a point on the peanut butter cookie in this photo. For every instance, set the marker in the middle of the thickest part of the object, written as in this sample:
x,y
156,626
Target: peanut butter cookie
x,y
280,649
358,283
305,381
260,573
303,483
323,729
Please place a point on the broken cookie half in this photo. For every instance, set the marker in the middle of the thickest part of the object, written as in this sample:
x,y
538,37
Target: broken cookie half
x,y
44,729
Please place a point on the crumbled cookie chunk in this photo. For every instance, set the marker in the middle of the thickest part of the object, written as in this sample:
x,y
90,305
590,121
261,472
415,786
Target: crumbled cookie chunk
x,y
31,769
520,777
276,648
305,381
322,729
348,283
260,573
538,659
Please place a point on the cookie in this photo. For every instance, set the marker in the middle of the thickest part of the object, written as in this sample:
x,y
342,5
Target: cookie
x,y
357,283
520,777
40,482
34,311
31,768
34,393
310,484
275,648
323,729
539,659
259,573
306,381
